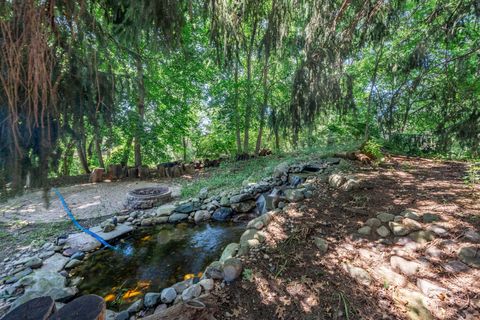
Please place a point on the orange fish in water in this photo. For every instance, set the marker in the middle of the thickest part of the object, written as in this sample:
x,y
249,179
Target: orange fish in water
x,y
192,275
131,294
109,298
146,238
188,276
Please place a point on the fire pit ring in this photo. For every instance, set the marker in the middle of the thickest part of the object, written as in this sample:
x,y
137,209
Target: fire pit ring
x,y
146,198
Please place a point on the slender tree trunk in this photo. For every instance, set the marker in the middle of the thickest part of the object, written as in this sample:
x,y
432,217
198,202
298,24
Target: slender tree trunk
x,y
67,155
237,114
98,151
141,114
126,152
249,107
275,131
372,86
265,101
98,142
82,156
184,143
81,143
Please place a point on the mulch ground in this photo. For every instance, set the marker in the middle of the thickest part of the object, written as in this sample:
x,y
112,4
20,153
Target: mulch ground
x,y
288,278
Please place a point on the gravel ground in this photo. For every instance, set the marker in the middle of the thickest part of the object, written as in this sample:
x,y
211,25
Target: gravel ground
x,y
87,201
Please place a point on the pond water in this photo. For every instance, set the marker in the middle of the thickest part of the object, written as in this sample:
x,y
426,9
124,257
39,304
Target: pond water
x,y
152,259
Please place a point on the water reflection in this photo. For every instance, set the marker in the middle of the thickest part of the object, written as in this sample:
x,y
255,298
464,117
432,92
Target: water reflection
x,y
152,259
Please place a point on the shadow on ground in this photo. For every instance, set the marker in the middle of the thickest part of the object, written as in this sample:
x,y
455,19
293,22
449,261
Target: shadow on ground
x,y
418,276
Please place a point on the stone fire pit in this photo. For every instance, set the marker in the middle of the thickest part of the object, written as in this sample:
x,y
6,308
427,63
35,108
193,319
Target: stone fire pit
x,y
146,198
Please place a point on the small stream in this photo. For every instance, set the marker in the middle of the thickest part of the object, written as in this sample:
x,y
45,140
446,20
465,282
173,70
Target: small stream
x,y
152,259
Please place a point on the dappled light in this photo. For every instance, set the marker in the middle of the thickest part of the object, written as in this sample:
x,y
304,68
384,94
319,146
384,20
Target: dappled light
x,y
240,159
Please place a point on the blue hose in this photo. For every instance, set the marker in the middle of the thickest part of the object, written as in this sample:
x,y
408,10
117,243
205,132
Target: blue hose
x,y
75,222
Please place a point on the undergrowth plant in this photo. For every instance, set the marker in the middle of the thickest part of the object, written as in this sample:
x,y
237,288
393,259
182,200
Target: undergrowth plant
x,y
472,175
373,149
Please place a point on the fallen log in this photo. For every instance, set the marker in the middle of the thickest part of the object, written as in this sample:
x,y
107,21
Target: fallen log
x,y
354,156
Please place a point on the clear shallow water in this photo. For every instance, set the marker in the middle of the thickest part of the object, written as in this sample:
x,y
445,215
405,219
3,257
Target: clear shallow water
x,y
154,258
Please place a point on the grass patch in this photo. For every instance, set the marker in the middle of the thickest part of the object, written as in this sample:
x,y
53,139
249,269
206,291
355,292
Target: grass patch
x,y
232,175
33,234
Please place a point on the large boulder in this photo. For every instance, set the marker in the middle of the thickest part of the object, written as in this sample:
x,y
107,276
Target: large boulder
x,y
165,210
243,207
229,252
177,217
187,207
260,222
222,214
336,180
214,271
294,195
240,197
168,295
470,255
281,170
151,299
45,283
251,238
232,269
192,292
201,215
84,242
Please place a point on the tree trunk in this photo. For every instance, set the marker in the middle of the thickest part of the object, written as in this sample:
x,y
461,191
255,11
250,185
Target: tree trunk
x,y
98,151
249,107
184,143
126,152
237,115
265,100
141,114
372,86
82,156
67,155
275,131
80,141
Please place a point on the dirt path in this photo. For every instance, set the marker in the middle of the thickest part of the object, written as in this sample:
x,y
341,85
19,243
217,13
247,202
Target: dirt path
x,y
87,201
367,277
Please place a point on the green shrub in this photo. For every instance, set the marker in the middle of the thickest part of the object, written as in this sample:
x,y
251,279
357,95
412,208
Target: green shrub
x,y
373,149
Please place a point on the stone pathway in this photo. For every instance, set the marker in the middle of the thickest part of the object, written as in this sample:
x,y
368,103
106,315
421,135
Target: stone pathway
x,y
393,243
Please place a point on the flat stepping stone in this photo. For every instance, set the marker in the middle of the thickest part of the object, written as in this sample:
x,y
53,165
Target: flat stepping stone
x,y
85,242
472,236
88,307
385,217
389,277
405,266
383,231
438,230
373,222
411,215
430,288
414,303
357,273
470,256
455,266
422,236
36,309
429,217
365,230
